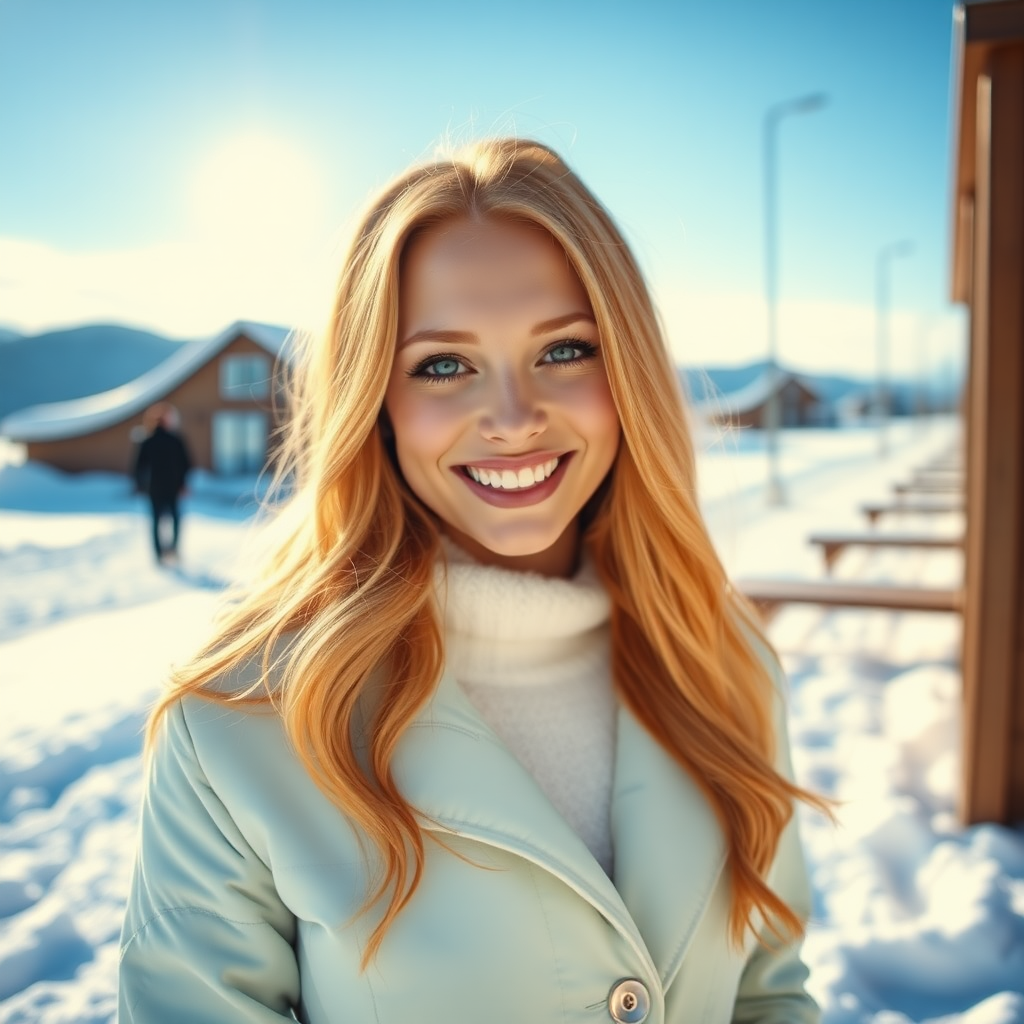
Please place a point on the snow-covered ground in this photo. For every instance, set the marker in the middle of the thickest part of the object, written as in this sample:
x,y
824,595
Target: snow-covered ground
x,y
916,919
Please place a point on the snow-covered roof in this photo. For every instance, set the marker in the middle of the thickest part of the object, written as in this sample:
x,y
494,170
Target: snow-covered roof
x,y
755,393
55,421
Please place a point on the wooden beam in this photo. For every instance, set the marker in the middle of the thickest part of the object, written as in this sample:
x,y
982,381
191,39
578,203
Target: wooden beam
x,y
993,656
929,487
978,28
875,511
834,544
769,595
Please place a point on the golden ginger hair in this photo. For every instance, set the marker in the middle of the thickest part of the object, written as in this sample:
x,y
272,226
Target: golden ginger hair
x,y
347,591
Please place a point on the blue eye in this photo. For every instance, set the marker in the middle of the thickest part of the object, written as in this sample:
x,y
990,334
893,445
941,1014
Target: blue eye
x,y
570,352
439,368
563,354
442,368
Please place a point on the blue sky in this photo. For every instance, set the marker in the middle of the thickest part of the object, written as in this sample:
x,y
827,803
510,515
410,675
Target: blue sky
x,y
180,165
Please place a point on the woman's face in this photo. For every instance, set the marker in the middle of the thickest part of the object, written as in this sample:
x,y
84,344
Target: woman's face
x,y
503,420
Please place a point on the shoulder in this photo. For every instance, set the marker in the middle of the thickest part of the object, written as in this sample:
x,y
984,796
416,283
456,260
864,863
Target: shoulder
x,y
227,735
242,760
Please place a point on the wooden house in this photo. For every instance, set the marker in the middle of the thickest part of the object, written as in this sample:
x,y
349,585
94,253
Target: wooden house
x,y
226,391
799,404
988,275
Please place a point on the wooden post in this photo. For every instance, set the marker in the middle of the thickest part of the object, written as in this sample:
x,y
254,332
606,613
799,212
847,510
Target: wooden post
x,y
993,652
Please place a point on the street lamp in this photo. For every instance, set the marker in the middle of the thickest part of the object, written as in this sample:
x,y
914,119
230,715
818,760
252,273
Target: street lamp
x,y
774,114
888,253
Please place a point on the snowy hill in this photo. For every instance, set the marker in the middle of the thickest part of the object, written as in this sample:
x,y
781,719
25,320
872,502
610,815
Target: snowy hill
x,y
59,365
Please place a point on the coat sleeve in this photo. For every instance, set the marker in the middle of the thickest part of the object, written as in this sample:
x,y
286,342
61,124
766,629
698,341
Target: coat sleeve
x,y
141,469
771,987
206,938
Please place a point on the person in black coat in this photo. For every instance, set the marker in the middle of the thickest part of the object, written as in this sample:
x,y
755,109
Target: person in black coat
x,y
161,471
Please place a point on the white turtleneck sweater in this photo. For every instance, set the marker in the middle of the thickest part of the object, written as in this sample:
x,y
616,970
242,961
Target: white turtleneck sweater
x,y
532,655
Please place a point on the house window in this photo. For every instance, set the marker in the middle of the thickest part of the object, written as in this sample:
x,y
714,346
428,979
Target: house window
x,y
243,377
239,442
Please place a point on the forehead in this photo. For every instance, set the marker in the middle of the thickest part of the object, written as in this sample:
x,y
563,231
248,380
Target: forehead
x,y
462,269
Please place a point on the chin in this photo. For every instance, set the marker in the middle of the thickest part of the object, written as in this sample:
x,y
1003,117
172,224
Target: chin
x,y
549,551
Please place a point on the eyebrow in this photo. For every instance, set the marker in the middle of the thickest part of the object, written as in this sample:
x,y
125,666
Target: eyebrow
x,y
468,338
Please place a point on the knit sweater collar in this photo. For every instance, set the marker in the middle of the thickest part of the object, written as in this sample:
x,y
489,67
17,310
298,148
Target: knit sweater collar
x,y
508,627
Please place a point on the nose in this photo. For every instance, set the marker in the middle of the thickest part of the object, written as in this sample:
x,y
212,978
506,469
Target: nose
x,y
513,413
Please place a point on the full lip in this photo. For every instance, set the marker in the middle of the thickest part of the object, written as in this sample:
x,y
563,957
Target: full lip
x,y
521,496
513,462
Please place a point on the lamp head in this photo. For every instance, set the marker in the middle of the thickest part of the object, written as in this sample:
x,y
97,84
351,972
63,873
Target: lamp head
x,y
813,101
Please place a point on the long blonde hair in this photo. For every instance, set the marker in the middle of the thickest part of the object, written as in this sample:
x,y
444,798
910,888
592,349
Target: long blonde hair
x,y
349,583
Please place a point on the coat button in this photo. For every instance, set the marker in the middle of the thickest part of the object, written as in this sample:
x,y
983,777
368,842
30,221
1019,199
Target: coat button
x,y
629,1002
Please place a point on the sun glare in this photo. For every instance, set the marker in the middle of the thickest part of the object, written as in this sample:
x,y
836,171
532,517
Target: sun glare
x,y
256,186
258,231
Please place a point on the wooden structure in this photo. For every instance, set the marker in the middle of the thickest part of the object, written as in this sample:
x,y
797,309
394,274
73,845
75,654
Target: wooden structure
x,y
226,391
924,487
770,595
939,476
875,510
834,544
988,275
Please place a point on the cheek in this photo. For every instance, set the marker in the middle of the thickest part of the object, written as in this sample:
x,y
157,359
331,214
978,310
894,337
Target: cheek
x,y
593,411
424,428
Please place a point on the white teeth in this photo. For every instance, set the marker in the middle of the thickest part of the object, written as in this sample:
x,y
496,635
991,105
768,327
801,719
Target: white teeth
x,y
512,480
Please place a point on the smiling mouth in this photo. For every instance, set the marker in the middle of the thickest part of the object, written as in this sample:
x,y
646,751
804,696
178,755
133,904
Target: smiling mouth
x,y
512,479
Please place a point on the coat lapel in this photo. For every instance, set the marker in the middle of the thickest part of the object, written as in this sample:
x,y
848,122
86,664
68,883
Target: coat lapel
x,y
462,779
668,845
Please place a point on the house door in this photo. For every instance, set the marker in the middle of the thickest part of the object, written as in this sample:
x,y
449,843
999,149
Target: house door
x,y
239,442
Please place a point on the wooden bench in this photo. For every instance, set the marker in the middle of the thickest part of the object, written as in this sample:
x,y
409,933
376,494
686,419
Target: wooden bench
x,y
929,487
928,476
875,512
833,544
953,463
770,595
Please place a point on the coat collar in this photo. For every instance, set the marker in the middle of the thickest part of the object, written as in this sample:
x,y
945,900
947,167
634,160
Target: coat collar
x,y
669,849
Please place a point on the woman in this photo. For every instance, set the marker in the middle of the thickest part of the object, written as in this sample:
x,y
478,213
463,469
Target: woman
x,y
491,739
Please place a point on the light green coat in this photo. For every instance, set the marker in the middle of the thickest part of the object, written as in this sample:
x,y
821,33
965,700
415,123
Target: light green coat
x,y
247,879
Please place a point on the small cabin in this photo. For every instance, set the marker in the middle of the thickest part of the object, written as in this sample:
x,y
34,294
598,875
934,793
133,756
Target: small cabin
x,y
227,391
799,404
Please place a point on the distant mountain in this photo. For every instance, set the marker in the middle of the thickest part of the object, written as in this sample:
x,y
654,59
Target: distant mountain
x,y
59,365
6,334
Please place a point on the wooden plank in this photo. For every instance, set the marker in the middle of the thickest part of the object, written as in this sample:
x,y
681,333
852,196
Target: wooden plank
x,y
938,476
929,487
974,803
768,595
994,20
874,512
834,544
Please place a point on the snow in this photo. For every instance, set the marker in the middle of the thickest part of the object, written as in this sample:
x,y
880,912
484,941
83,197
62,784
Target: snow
x,y
916,918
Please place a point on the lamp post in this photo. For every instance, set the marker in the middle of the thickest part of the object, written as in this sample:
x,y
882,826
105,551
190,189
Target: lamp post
x,y
801,105
882,264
